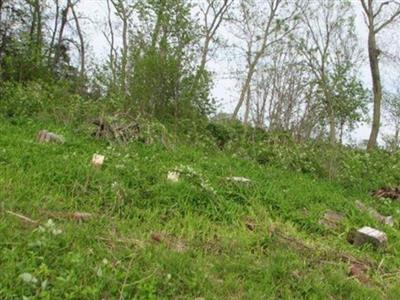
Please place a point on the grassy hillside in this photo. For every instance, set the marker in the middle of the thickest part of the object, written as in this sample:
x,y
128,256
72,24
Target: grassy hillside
x,y
201,238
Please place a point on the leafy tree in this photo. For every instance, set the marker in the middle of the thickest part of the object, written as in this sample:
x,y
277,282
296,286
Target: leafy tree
x,y
163,63
349,98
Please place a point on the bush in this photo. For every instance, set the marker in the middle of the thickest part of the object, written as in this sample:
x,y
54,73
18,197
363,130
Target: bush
x,y
351,168
220,132
17,100
55,101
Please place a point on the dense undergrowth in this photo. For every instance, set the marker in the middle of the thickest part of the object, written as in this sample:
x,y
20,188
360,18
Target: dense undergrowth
x,y
351,167
203,237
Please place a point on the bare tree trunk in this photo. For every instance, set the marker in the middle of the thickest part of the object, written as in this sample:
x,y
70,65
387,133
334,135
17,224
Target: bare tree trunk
x,y
259,53
35,32
81,44
55,28
2,30
246,86
157,29
39,24
64,20
34,21
375,25
261,117
248,103
377,88
112,54
331,114
124,13
211,29
124,58
341,132
332,128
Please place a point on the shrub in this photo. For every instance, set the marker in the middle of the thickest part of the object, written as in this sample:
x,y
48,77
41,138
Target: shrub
x,y
220,132
347,166
55,101
17,100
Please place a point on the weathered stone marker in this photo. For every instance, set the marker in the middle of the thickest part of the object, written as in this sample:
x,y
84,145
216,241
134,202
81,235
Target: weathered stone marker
x,y
173,176
97,160
239,179
81,216
45,136
331,219
368,235
386,220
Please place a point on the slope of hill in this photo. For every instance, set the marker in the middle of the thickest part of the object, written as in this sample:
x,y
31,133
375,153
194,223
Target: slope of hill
x,y
204,237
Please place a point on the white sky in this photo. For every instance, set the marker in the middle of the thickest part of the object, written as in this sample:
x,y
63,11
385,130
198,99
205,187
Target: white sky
x,y
226,89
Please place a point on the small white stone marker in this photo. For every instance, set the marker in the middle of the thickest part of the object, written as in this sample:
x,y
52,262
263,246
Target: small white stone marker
x,y
98,160
173,176
370,235
239,179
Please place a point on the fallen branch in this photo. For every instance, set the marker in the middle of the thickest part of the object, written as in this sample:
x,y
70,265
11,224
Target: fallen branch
x,y
75,216
323,254
128,242
118,128
22,217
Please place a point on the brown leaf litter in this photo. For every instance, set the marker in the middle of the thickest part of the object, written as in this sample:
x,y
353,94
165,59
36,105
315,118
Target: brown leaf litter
x,y
359,272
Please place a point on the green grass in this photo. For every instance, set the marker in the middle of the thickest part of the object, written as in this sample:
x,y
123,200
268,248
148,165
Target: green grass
x,y
152,239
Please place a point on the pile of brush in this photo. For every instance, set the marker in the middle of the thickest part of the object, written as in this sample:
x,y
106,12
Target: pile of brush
x,y
388,192
118,128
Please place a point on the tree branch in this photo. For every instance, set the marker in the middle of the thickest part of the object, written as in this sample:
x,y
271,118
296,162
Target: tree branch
x,y
390,20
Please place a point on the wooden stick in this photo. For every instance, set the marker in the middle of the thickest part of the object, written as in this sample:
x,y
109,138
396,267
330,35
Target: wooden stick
x,y
26,219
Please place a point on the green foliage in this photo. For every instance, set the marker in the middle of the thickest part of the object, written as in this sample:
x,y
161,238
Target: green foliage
x,y
220,132
154,239
164,82
50,100
18,100
354,168
350,100
391,104
21,60
204,236
156,86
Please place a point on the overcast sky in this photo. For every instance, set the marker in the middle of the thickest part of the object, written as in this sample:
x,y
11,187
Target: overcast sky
x,y
226,89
